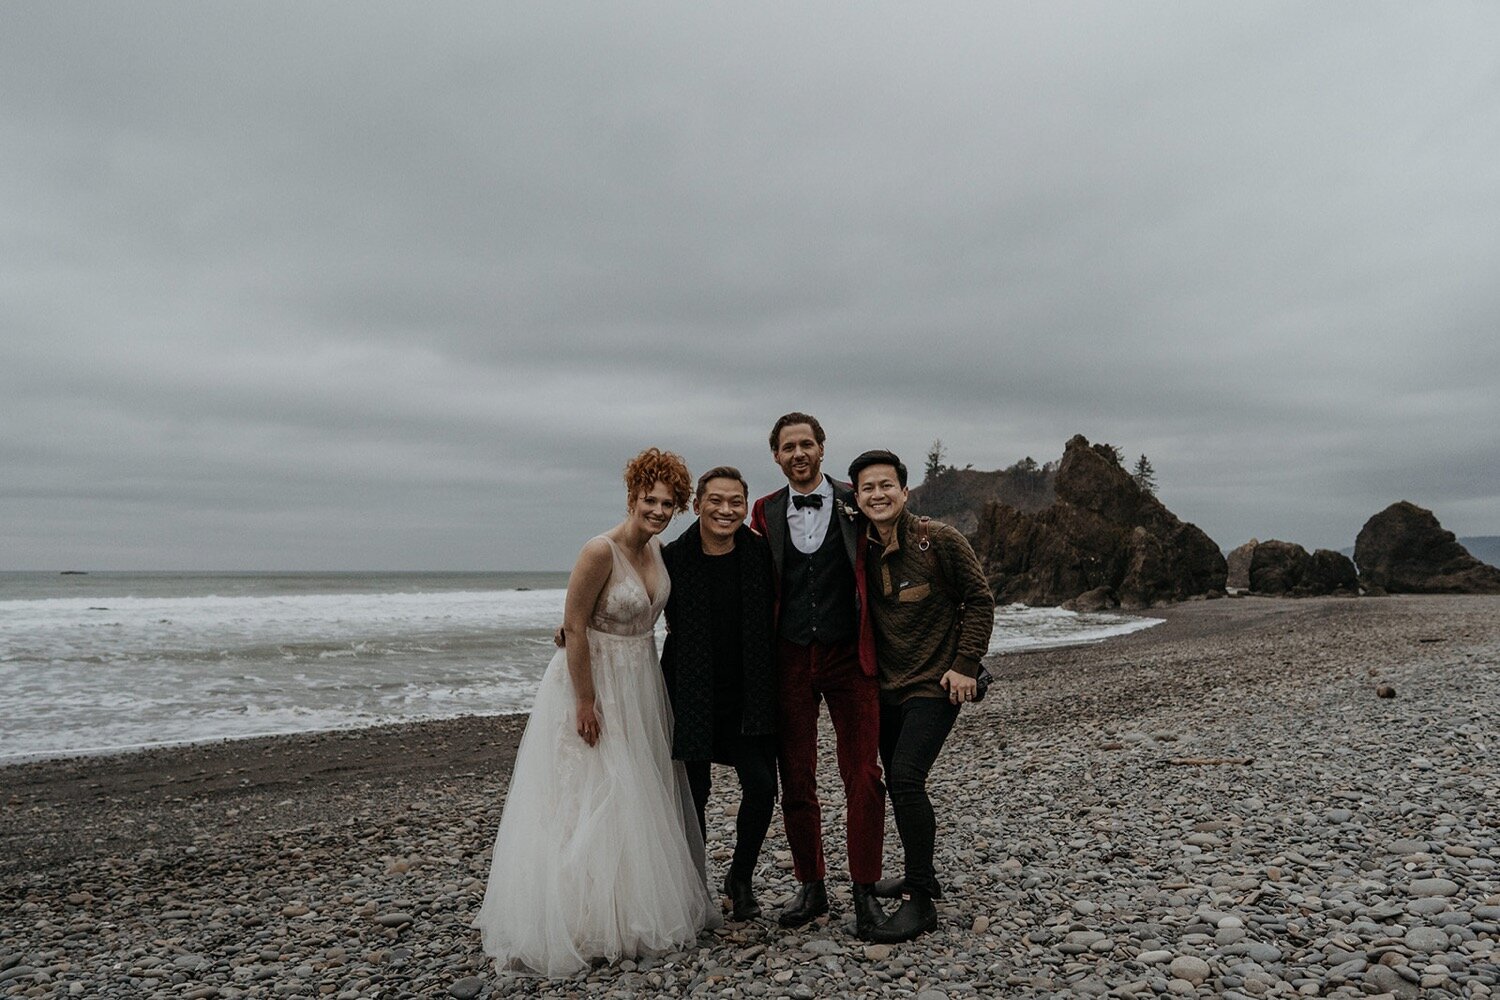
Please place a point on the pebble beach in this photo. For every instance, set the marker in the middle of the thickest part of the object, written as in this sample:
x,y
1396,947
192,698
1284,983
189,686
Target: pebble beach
x,y
1257,798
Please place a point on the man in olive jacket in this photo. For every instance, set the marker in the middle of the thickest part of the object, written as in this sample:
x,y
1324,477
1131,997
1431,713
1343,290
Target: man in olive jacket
x,y
719,665
933,614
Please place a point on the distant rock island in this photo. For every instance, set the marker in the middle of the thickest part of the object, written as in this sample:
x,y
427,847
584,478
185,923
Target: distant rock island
x,y
1285,569
1404,550
1085,534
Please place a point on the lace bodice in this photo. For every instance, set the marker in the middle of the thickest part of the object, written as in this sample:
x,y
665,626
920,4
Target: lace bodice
x,y
624,606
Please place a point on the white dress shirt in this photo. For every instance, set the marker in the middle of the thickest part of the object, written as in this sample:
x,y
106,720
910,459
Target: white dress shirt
x,y
808,525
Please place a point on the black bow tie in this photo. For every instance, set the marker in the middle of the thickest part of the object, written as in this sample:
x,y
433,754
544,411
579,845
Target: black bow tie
x,y
813,500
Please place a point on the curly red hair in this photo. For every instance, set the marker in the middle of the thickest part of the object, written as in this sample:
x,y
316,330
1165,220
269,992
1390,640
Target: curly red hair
x,y
654,466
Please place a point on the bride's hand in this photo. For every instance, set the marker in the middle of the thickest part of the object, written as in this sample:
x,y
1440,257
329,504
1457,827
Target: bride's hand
x,y
587,722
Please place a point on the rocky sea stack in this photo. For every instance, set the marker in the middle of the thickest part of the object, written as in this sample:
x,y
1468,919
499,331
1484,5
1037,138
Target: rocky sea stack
x,y
1102,535
1285,569
1404,550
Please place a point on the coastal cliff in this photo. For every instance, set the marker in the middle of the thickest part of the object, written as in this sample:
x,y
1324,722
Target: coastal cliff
x,y
1099,534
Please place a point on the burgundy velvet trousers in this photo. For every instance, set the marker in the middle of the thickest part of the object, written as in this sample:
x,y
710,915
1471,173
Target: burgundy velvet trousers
x,y
810,675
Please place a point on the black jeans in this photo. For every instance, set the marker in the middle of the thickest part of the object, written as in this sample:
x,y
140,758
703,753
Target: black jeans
x,y
911,735
754,761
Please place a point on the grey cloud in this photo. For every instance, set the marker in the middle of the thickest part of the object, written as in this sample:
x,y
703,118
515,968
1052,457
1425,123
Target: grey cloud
x,y
443,268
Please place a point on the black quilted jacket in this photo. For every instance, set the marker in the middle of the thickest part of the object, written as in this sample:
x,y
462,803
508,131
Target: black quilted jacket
x,y
686,655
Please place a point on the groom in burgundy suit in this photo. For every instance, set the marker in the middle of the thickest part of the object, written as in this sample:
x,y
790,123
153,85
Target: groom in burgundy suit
x,y
825,652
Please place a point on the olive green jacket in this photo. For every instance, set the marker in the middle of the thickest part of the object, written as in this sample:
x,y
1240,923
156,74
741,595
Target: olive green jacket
x,y
932,611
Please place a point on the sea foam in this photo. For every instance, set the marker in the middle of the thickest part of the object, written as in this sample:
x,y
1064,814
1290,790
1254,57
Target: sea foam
x,y
100,673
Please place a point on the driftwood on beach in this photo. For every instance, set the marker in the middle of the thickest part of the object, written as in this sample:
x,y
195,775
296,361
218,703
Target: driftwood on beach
x,y
1209,761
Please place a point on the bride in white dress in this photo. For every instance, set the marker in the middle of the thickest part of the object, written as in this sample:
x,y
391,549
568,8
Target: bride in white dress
x,y
598,853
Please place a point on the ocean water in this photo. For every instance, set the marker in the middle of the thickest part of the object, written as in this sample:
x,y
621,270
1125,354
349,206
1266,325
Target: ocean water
x,y
113,661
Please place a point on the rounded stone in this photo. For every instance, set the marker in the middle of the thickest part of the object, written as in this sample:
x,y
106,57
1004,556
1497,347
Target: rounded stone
x,y
1426,887
1388,980
466,988
1426,940
1265,954
823,946
1187,967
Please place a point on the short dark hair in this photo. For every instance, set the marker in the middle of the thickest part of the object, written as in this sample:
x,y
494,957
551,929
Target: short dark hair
x,y
877,456
791,419
721,472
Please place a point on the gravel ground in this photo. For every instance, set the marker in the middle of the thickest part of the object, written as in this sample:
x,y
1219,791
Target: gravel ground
x,y
1221,806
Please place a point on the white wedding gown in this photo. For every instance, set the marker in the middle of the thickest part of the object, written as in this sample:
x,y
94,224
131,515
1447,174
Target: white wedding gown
x,y
599,853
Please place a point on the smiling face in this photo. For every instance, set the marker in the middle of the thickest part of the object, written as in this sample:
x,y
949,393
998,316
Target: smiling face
x,y
721,508
880,494
800,456
652,510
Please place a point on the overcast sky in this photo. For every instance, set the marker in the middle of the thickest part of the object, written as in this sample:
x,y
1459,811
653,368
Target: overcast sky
x,y
348,285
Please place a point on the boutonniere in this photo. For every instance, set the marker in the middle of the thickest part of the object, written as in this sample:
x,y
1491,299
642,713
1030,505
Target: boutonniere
x,y
845,509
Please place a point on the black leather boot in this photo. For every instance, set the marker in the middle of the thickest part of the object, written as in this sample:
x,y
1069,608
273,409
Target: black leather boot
x,y
867,912
741,898
810,903
916,916
895,888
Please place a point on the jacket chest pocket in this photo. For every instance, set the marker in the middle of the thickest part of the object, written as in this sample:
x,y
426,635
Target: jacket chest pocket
x,y
913,594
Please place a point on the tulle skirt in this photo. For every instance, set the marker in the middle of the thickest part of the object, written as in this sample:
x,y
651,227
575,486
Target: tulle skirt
x,y
598,853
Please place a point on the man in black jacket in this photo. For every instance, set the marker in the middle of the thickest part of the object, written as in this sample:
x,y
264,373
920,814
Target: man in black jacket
x,y
719,665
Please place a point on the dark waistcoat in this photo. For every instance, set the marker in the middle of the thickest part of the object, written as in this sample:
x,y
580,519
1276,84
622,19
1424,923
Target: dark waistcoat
x,y
817,593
